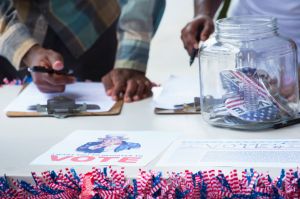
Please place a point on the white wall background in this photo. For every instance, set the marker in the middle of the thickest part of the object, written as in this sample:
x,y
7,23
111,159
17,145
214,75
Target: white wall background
x,y
167,55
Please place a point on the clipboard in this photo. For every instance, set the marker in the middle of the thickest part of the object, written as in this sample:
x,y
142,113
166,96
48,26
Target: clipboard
x,y
190,108
160,111
115,110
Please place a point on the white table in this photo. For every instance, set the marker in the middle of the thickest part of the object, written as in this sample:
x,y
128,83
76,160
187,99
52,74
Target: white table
x,y
23,139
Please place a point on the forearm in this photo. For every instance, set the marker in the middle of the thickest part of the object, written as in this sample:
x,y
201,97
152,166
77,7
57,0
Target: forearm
x,y
15,38
206,7
137,25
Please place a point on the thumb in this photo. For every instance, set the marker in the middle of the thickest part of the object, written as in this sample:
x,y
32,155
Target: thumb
x,y
108,84
56,60
58,65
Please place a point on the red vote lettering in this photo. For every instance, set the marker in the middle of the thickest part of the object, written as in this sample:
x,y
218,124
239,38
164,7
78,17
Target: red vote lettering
x,y
56,158
129,159
83,159
106,159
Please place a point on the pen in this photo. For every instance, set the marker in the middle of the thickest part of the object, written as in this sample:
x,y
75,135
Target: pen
x,y
41,69
286,123
193,55
195,52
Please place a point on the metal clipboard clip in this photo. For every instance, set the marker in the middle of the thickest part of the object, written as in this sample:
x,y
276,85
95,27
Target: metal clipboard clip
x,y
190,107
62,107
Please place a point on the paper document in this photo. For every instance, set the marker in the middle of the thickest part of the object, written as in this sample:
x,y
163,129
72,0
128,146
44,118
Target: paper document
x,y
121,148
83,92
238,153
176,91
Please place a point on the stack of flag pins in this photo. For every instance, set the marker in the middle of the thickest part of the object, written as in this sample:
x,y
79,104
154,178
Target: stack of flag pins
x,y
109,183
248,99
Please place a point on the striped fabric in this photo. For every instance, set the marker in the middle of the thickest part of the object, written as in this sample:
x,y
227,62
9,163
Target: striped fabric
x,y
79,23
136,30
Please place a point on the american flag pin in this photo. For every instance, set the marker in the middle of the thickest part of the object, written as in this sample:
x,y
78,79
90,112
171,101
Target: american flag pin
x,y
246,99
265,112
280,101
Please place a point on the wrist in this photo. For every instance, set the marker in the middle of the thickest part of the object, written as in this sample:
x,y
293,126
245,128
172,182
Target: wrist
x,y
203,15
206,7
28,57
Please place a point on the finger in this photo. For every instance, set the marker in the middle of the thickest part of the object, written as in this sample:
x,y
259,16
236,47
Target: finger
x,y
118,90
108,84
140,91
43,84
56,60
59,80
191,44
149,84
192,36
130,90
58,65
207,30
40,80
47,88
189,39
153,84
44,63
147,94
148,89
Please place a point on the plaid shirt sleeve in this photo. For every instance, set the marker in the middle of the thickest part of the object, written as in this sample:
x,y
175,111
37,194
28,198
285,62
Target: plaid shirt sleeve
x,y
137,25
15,39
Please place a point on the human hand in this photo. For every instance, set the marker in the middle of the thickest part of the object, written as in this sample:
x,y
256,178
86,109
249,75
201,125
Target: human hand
x,y
198,29
47,83
132,84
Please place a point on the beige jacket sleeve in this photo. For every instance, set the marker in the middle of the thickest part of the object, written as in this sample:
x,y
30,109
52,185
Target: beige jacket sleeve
x,y
15,39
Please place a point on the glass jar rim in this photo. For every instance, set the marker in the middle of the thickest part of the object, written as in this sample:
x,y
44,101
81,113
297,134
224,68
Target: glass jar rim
x,y
245,26
247,21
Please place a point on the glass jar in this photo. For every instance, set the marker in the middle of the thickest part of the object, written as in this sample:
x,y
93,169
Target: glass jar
x,y
248,74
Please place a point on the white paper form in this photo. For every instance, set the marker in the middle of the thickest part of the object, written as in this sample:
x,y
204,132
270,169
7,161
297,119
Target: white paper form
x,y
238,153
176,91
120,148
82,92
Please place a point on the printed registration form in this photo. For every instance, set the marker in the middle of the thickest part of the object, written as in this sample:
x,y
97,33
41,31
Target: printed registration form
x,y
239,153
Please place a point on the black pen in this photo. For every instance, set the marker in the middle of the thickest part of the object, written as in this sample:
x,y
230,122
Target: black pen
x,y
195,52
41,69
193,55
286,123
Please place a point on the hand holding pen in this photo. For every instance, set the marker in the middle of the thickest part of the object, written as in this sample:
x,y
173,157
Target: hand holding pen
x,y
196,31
46,72
195,52
42,69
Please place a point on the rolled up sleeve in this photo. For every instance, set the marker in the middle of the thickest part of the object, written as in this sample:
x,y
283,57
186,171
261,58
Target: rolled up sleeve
x,y
137,25
15,38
